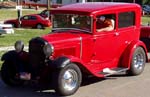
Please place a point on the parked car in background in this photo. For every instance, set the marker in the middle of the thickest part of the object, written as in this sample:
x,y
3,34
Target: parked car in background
x,y
32,21
6,29
146,9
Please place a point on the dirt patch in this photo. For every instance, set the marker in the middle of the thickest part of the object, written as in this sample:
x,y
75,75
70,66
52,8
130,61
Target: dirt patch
x,y
7,4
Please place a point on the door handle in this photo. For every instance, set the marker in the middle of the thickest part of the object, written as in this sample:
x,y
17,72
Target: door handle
x,y
117,33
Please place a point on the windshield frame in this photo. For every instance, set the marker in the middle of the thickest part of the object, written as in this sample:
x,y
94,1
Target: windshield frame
x,y
65,29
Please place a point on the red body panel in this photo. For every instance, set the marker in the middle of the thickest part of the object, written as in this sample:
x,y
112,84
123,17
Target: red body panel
x,y
145,32
97,51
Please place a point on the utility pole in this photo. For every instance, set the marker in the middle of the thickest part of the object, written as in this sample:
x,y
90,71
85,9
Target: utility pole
x,y
48,7
19,9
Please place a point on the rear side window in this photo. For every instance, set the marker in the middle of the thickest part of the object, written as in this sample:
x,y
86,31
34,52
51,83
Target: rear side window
x,y
32,18
126,19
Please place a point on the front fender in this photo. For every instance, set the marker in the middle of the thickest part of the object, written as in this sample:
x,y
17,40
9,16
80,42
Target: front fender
x,y
128,53
61,62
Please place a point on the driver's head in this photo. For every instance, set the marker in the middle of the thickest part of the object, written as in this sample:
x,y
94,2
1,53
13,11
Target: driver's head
x,y
102,18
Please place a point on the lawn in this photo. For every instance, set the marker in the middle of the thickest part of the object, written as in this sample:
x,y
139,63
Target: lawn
x,y
12,13
21,34
146,19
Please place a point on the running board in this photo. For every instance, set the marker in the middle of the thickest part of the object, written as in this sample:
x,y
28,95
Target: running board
x,y
108,72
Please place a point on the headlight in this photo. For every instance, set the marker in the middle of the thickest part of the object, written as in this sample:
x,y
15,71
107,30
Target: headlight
x,y
48,49
19,45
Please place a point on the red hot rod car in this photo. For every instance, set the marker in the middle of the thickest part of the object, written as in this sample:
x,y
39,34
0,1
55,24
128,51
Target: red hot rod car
x,y
77,47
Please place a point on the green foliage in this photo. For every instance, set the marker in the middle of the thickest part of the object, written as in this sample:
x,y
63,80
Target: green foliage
x,y
146,1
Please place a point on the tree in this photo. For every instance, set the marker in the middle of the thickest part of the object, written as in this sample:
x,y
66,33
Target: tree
x,y
146,1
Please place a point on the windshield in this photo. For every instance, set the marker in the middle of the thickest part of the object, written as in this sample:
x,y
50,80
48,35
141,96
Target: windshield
x,y
72,21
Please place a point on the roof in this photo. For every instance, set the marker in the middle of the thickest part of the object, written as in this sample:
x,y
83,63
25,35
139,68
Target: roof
x,y
90,7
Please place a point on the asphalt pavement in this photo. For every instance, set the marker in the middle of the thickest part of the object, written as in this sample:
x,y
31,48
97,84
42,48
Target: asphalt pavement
x,y
114,86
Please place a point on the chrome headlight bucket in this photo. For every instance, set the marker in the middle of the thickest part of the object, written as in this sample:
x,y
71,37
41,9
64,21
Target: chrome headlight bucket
x,y
48,49
19,45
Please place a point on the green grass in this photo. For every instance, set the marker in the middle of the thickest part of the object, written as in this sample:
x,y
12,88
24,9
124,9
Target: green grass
x,y
22,34
12,14
145,19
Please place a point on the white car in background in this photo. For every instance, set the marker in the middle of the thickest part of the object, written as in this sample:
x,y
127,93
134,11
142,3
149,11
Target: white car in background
x,y
6,29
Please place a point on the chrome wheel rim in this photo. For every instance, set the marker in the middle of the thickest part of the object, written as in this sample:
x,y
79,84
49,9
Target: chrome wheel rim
x,y
70,80
138,61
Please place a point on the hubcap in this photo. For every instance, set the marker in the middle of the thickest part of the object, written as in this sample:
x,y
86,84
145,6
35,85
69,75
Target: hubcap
x,y
70,79
138,61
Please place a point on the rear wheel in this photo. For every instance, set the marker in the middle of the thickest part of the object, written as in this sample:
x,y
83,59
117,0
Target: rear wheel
x,y
9,75
138,61
67,80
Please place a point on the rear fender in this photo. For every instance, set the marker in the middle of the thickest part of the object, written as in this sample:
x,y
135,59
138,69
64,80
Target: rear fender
x,y
127,55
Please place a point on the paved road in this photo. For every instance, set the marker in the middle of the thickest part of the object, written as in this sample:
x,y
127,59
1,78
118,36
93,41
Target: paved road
x,y
116,86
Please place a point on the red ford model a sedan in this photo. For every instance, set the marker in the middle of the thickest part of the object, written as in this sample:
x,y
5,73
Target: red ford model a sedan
x,y
98,39
32,21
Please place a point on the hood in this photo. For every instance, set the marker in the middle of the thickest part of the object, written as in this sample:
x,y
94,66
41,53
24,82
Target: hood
x,y
59,39
65,43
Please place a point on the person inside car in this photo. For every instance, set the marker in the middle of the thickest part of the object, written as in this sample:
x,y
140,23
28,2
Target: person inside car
x,y
104,24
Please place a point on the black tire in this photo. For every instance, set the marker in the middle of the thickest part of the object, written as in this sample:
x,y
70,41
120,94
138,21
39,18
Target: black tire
x,y
8,75
39,26
137,62
67,80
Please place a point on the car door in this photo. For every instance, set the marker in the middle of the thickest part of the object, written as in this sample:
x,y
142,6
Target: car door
x,y
106,45
29,21
33,20
24,21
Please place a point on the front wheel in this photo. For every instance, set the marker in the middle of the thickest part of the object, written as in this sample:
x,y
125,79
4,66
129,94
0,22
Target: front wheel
x,y
137,62
9,75
67,80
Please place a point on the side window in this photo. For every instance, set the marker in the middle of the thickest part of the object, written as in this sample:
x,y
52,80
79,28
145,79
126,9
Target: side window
x,y
32,18
105,22
25,17
126,19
